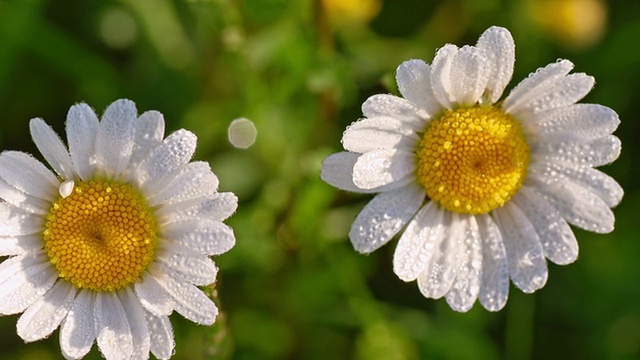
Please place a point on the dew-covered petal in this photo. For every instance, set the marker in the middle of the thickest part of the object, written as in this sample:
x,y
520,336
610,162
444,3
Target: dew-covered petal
x,y
22,200
148,134
112,327
162,342
153,297
18,245
443,267
383,167
25,173
466,287
190,301
525,256
78,331
378,133
385,105
337,171
44,316
82,127
500,50
15,265
115,136
16,222
52,148
564,92
193,181
26,286
165,160
414,83
576,122
594,153
577,205
187,265
536,85
495,271
418,242
558,241
137,320
207,237
595,181
441,81
469,74
384,216
217,207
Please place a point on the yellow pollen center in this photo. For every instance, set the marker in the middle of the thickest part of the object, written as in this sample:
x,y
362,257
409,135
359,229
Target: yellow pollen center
x,y
472,160
102,236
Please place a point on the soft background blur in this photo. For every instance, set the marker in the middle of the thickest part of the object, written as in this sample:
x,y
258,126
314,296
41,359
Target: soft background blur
x,y
293,288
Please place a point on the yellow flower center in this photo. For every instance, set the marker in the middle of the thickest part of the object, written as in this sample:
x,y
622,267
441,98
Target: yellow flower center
x,y
472,160
102,236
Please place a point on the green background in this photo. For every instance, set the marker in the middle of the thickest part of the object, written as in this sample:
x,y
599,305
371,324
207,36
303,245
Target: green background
x,y
293,287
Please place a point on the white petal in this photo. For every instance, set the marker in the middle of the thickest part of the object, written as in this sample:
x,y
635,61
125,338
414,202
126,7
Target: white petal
x,y
595,181
149,134
165,160
162,343
384,105
191,302
112,327
215,207
418,242
16,222
577,205
17,245
469,74
443,267
500,49
15,265
77,331
527,265
136,317
51,148
194,180
25,173
82,127
114,140
26,287
66,188
337,171
414,82
564,92
466,286
153,296
495,271
383,167
384,216
536,85
207,237
441,75
558,241
43,317
189,266
22,200
378,133
594,153
575,122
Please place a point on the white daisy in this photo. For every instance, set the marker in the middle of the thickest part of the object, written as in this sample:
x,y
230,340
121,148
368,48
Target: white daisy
x,y
486,188
117,240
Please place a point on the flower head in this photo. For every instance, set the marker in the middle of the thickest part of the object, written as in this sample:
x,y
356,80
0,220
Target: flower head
x,y
486,188
116,240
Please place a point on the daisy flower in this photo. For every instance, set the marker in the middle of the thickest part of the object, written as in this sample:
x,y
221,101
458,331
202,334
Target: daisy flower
x,y
486,188
116,240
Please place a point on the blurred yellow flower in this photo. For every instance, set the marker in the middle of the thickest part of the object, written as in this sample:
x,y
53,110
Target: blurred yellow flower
x,y
575,23
344,11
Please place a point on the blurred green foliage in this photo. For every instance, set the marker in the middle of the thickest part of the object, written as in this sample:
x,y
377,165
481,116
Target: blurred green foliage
x,y
293,288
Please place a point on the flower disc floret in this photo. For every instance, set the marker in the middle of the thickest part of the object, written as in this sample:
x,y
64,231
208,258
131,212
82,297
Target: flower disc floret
x,y
102,236
472,160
